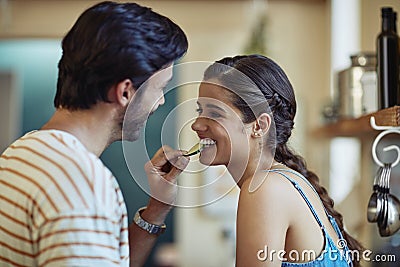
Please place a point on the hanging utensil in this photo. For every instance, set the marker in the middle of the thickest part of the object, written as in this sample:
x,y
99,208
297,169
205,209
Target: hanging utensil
x,y
387,206
391,221
373,205
383,218
393,217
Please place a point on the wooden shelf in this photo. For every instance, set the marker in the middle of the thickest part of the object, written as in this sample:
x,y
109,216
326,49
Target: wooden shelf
x,y
360,126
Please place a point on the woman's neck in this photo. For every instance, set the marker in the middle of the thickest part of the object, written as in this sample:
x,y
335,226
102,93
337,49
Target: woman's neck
x,y
255,165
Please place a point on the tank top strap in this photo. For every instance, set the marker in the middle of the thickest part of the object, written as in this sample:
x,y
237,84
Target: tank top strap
x,y
331,219
336,227
307,182
300,190
342,241
299,175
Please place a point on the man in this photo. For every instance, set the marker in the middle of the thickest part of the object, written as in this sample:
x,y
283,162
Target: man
x,y
59,205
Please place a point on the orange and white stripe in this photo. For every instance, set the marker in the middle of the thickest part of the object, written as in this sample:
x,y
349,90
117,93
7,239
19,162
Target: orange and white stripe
x,y
59,205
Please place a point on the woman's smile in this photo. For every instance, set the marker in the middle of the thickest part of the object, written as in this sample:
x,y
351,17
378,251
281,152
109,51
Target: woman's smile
x,y
218,126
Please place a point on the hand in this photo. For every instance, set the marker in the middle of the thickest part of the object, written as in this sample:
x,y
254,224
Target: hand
x,y
162,171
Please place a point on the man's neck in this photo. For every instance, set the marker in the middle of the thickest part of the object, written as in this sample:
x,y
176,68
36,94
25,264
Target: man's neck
x,y
92,127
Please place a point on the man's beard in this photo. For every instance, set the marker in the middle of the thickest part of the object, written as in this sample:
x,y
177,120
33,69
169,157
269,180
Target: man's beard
x,y
131,125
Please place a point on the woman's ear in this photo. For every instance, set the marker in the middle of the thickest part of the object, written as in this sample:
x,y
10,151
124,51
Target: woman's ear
x,y
261,125
122,92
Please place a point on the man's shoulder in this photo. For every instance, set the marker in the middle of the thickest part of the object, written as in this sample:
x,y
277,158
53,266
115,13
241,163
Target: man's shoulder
x,y
57,166
52,140
56,143
55,153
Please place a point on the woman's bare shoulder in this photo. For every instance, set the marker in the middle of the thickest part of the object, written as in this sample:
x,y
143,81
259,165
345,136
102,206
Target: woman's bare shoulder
x,y
264,217
274,201
268,187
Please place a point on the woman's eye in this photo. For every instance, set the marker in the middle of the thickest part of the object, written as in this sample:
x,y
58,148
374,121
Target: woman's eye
x,y
215,115
210,114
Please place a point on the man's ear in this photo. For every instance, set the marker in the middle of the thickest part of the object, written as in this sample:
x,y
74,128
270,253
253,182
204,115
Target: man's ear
x,y
261,125
122,92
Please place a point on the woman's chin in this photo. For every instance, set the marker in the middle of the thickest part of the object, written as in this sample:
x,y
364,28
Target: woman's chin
x,y
212,163
208,157
206,160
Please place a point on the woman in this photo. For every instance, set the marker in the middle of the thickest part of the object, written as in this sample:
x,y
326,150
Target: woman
x,y
285,217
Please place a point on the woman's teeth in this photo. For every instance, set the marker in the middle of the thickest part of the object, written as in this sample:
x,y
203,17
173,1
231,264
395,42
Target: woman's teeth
x,y
207,142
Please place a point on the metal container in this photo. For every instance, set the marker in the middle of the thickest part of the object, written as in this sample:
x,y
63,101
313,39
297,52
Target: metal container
x,y
358,91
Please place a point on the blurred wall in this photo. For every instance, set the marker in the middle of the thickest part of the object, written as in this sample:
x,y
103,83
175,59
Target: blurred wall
x,y
35,64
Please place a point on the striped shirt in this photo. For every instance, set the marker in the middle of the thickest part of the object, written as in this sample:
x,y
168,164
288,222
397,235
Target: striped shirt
x,y
59,205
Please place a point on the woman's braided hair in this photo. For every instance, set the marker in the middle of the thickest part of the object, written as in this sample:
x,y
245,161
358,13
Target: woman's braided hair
x,y
278,91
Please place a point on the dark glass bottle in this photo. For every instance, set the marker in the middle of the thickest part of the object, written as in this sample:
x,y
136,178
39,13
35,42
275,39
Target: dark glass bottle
x,y
395,30
388,61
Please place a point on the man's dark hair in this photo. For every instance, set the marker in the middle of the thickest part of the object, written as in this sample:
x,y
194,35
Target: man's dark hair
x,y
111,42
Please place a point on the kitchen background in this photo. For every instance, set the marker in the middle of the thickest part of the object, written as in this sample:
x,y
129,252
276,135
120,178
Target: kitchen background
x,y
311,39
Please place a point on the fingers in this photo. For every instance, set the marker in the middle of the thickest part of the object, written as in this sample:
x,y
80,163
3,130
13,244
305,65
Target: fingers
x,y
177,168
168,162
165,154
181,162
162,171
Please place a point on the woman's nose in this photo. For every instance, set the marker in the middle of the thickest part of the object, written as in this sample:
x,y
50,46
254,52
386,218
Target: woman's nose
x,y
199,125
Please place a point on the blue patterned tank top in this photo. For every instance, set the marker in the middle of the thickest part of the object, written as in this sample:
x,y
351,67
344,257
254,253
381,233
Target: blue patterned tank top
x,y
331,256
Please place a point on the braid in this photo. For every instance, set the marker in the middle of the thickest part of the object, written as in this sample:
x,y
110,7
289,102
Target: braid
x,y
284,155
283,118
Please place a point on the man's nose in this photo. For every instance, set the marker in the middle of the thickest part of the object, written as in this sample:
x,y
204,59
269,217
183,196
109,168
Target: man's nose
x,y
162,100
